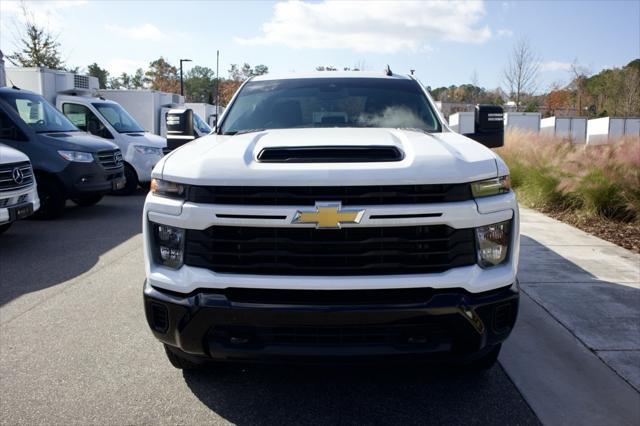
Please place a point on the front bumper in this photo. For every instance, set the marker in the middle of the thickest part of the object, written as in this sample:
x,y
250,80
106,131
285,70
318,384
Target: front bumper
x,y
244,324
90,178
18,205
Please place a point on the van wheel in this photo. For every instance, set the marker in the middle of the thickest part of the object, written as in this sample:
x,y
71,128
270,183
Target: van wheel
x,y
5,227
179,362
132,181
52,200
87,200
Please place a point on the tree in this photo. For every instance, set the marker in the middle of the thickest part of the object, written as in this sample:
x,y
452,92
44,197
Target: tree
x,y
260,70
522,70
326,68
199,84
36,45
102,74
137,79
237,73
162,76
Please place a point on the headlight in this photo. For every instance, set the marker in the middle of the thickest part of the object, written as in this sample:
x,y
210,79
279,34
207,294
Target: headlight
x,y
148,150
494,186
493,243
168,189
77,156
168,245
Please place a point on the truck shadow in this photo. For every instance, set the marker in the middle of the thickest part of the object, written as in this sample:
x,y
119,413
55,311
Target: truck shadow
x,y
380,394
38,254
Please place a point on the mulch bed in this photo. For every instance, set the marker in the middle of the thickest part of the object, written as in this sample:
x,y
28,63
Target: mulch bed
x,y
626,235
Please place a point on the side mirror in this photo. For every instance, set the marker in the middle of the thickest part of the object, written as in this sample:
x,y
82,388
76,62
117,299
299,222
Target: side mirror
x,y
489,126
179,128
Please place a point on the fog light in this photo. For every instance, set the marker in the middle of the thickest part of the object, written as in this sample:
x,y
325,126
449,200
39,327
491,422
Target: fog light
x,y
493,243
169,243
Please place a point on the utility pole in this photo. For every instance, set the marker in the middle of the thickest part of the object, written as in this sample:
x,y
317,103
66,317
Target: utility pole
x,y
217,82
181,81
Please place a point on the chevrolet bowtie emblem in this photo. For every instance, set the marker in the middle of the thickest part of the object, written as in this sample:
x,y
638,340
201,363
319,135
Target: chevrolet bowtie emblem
x,y
328,215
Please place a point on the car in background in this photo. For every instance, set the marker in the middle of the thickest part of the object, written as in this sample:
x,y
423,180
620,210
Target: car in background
x,y
18,194
67,162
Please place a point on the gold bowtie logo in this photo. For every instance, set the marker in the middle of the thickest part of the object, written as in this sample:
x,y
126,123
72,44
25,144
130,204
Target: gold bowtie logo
x,y
328,216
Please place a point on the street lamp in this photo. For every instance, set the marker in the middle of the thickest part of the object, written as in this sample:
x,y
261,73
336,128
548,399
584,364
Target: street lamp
x,y
181,82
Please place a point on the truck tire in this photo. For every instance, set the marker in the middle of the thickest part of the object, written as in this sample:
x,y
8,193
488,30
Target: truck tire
x,y
486,361
132,181
179,362
5,227
52,200
87,200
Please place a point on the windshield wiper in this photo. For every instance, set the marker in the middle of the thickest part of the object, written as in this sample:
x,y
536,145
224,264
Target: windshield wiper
x,y
57,131
242,132
416,129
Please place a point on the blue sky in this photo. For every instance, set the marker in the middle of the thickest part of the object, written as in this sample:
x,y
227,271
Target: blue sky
x,y
444,41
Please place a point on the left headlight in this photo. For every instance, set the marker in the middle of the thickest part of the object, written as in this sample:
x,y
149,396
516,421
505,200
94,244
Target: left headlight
x,y
168,247
493,243
77,156
148,150
168,189
493,186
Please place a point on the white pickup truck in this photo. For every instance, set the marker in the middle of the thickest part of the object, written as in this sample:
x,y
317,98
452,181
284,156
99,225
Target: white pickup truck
x,y
18,194
333,215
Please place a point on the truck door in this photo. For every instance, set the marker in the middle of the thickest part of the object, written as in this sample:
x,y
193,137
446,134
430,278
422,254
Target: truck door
x,y
84,119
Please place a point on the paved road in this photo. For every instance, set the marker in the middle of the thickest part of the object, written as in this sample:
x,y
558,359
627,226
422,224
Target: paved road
x,y
74,348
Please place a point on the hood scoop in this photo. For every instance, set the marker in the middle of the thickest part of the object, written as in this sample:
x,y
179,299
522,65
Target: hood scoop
x,y
330,154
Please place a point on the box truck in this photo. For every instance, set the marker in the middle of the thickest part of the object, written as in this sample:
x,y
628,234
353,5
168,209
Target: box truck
x,y
524,121
150,108
603,130
572,128
72,94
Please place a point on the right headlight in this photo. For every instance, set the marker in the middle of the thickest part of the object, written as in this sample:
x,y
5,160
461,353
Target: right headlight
x,y
168,189
493,186
77,156
493,243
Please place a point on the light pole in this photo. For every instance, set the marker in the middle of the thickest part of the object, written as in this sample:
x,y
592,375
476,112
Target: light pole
x,y
181,82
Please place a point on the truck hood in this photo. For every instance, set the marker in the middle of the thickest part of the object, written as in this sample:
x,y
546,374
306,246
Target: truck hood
x,y
10,155
232,160
76,141
146,139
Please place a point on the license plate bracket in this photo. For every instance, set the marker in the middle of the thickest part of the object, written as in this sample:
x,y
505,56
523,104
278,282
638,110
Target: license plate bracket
x,y
20,211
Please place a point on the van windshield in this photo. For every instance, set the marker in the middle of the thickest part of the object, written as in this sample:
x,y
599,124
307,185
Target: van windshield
x,y
118,117
38,114
330,102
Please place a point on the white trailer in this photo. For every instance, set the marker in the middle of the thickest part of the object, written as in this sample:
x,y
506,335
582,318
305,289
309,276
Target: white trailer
x,y
73,94
463,122
571,128
525,121
604,130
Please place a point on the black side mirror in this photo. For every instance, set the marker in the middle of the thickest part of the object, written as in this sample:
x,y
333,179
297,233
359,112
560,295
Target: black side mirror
x,y
179,128
489,126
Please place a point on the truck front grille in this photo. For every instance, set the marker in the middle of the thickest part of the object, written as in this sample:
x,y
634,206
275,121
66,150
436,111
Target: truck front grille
x,y
15,176
348,195
110,160
347,251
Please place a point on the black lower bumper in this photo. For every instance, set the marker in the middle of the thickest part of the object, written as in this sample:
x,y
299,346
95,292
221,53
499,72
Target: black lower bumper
x,y
81,179
239,324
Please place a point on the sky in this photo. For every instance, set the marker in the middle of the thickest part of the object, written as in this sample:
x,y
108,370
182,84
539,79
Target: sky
x,y
445,42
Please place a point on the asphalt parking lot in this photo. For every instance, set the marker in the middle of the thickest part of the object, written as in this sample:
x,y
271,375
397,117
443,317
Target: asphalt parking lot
x,y
75,349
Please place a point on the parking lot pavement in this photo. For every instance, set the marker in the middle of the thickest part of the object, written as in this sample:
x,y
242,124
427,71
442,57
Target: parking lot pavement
x,y
75,348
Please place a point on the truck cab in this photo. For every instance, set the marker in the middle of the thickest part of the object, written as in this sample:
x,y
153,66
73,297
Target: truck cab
x,y
67,162
333,215
72,94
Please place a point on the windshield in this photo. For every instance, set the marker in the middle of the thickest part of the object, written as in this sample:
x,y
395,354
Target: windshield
x,y
118,117
199,124
330,102
39,114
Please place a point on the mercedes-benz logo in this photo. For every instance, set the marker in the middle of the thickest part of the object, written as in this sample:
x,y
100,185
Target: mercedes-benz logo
x,y
17,175
117,158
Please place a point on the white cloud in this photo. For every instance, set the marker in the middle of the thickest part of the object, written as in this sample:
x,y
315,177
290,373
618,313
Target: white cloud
x,y
505,32
379,26
140,32
555,66
119,65
44,13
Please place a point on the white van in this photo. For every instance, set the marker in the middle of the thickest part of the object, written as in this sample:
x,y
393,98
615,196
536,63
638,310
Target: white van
x,y
18,194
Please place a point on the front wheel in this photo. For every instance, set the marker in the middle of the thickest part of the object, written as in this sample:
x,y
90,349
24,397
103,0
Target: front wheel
x,y
87,200
180,362
132,181
5,227
52,200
